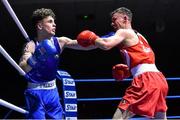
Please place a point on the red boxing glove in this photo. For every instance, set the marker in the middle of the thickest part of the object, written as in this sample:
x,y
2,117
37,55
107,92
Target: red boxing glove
x,y
120,72
86,38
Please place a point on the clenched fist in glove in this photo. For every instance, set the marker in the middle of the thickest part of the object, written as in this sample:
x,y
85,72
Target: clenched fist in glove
x,y
86,38
43,51
120,71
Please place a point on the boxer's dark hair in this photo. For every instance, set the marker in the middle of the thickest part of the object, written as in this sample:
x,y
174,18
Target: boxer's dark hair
x,y
123,10
40,14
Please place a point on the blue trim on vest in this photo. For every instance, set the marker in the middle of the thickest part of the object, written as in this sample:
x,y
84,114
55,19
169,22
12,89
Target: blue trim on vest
x,y
57,44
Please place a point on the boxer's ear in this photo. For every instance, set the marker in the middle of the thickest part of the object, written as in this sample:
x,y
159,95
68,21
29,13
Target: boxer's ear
x,y
125,18
39,26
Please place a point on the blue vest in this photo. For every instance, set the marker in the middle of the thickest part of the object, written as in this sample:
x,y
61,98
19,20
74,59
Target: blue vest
x,y
47,70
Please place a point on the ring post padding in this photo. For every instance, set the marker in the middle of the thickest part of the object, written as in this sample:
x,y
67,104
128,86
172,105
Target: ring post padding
x,y
69,95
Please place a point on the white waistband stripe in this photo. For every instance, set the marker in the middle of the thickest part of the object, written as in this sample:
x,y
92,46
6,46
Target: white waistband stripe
x,y
141,68
44,85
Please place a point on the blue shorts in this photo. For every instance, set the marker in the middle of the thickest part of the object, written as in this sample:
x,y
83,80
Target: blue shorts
x,y
43,104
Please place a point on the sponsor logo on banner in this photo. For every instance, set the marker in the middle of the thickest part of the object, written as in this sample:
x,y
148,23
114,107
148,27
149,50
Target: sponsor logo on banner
x,y
70,94
71,107
68,82
62,73
71,118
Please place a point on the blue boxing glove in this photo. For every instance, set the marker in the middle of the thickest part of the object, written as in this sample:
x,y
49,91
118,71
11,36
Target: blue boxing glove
x,y
32,61
44,50
108,35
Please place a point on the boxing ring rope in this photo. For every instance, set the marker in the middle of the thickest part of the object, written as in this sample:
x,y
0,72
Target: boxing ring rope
x,y
13,63
118,98
113,80
13,107
15,18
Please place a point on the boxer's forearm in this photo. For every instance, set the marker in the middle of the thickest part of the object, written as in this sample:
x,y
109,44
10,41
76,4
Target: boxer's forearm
x,y
101,43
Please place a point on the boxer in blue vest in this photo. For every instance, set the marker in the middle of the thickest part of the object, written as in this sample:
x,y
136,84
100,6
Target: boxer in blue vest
x,y
40,60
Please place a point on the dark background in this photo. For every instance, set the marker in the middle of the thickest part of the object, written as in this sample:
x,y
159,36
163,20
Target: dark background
x,y
157,20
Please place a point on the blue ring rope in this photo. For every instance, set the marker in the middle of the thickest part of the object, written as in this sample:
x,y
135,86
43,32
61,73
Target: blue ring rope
x,y
113,80
117,98
173,117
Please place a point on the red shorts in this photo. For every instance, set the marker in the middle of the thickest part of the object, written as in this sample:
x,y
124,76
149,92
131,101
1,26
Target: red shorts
x,y
146,95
